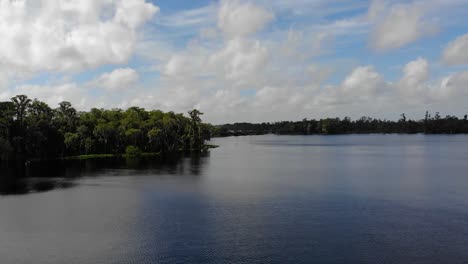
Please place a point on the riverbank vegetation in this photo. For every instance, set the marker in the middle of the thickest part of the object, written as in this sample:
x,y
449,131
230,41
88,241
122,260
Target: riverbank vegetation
x,y
430,124
31,129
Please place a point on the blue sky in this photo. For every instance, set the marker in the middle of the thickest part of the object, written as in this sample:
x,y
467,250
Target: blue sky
x,y
240,60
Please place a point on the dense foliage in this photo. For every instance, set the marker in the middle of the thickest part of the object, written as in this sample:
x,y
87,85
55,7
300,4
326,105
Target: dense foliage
x,y
32,129
330,126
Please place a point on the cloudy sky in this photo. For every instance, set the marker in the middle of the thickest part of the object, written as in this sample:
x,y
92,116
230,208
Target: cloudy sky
x,y
240,60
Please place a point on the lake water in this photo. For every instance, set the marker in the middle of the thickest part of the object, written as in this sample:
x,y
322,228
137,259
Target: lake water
x,y
259,199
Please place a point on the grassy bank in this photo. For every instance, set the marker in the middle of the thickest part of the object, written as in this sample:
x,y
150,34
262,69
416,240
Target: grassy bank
x,y
106,156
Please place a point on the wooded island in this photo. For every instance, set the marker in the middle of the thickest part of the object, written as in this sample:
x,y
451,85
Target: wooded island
x,y
31,129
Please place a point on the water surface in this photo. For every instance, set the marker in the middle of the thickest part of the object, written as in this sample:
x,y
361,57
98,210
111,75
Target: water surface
x,y
260,199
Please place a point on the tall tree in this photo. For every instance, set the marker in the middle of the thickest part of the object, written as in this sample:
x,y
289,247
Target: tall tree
x,y
21,102
67,117
195,139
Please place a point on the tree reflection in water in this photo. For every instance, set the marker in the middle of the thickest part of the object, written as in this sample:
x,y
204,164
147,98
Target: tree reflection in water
x,y
18,178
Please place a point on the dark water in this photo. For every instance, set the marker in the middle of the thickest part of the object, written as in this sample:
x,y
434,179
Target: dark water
x,y
264,199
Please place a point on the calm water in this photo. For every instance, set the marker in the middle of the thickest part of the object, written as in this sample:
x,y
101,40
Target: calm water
x,y
264,199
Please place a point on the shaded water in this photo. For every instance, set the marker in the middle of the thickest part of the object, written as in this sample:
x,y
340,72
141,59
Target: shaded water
x,y
262,199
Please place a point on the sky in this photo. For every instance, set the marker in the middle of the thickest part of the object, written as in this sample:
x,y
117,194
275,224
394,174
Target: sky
x,y
240,60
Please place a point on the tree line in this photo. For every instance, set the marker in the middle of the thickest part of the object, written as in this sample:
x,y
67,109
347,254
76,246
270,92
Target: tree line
x,y
31,129
431,124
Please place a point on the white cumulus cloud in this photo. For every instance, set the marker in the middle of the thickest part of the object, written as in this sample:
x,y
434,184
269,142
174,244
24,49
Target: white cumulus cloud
x,y
54,94
240,58
363,81
60,35
397,25
240,18
454,86
235,60
456,52
415,73
117,79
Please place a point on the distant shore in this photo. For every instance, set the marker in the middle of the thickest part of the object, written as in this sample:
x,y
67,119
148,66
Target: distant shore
x,y
431,124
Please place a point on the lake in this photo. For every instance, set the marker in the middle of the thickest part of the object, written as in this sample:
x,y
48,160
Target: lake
x,y
259,199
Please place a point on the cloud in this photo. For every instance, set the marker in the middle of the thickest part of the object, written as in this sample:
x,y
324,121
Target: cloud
x,y
237,19
193,17
50,35
134,13
363,82
3,81
397,25
363,91
362,85
416,71
456,51
454,86
252,77
80,94
54,94
117,79
240,58
415,76
275,97
233,54
185,65
235,60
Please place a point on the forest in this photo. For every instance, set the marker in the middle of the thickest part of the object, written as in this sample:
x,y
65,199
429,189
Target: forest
x,y
31,129
430,124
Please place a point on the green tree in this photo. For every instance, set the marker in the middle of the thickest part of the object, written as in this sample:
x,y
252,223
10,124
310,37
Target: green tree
x,y
132,151
154,139
67,116
195,132
133,136
21,102
7,113
72,143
